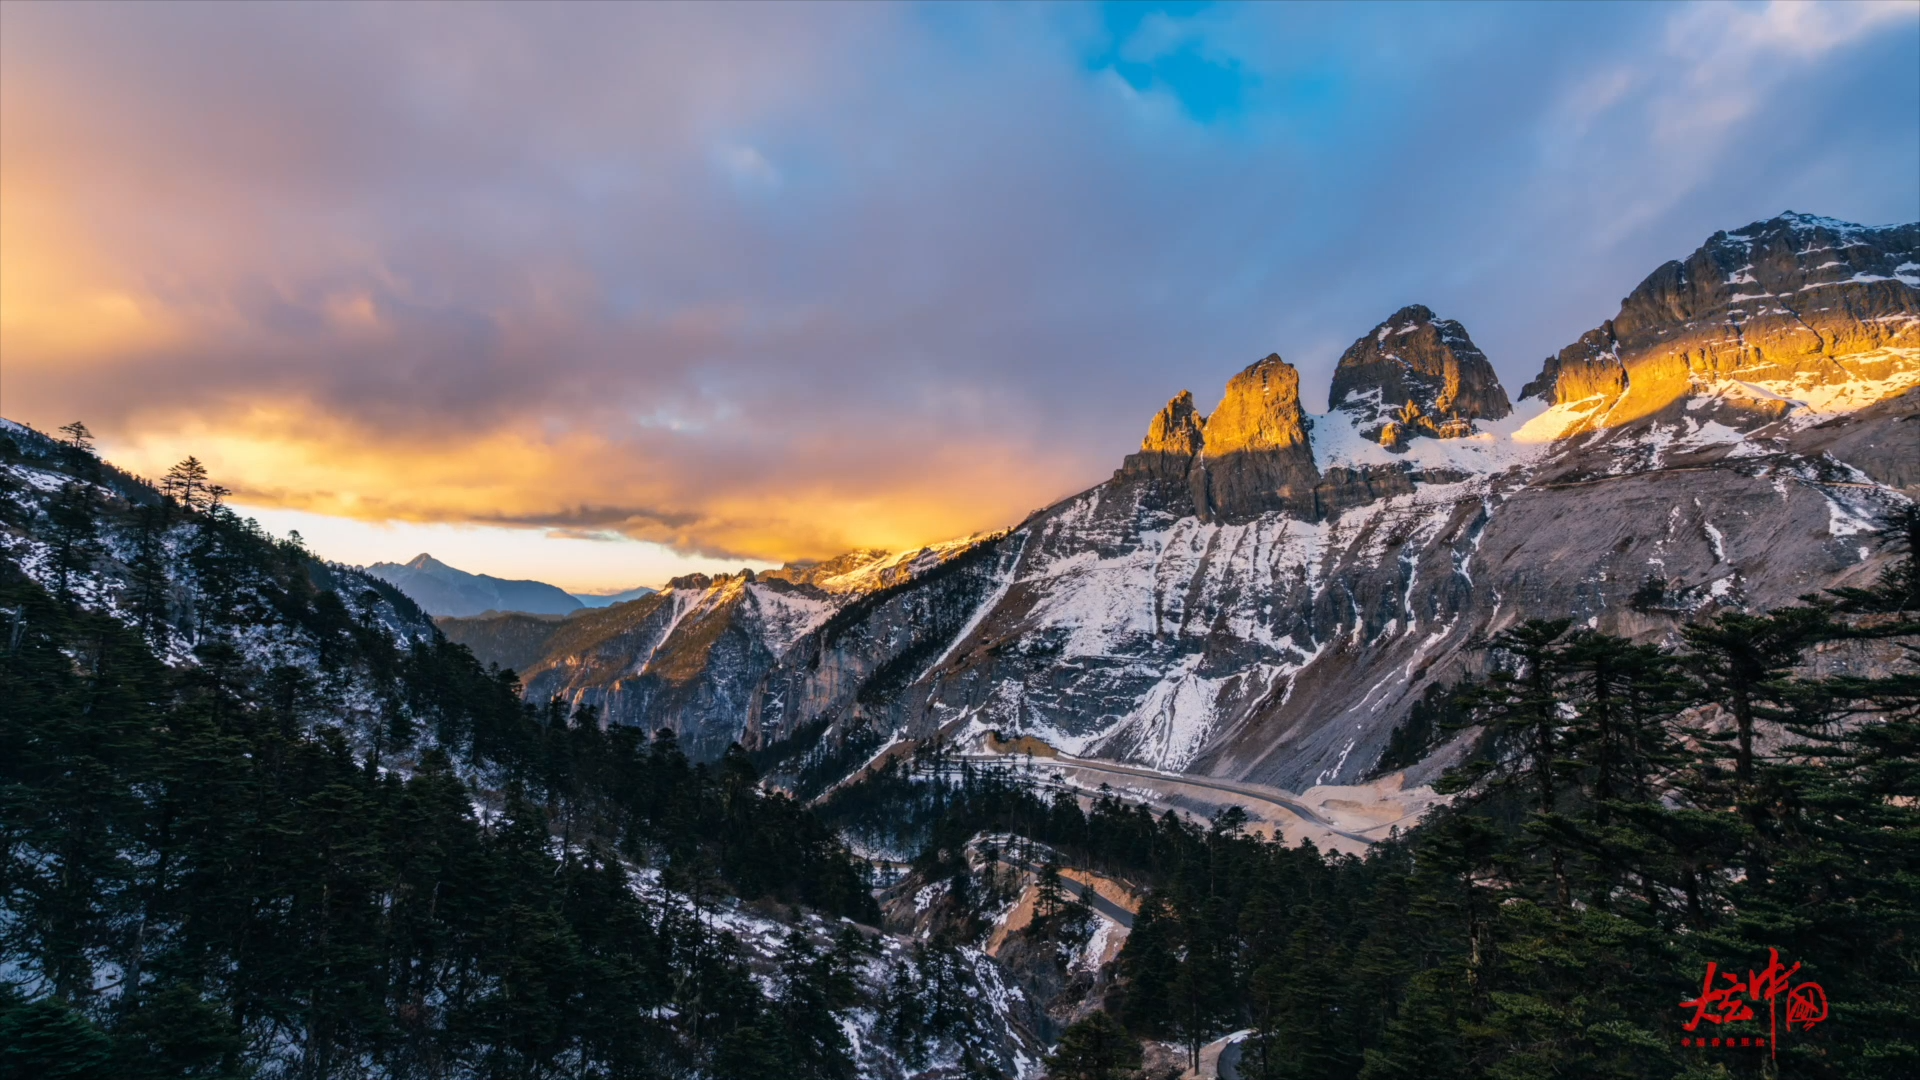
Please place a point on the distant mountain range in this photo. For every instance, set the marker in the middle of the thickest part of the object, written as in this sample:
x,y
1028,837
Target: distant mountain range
x,y
440,589
1263,594
594,600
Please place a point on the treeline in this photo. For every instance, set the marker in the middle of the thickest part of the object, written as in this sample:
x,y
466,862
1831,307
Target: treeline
x,y
1629,816
332,844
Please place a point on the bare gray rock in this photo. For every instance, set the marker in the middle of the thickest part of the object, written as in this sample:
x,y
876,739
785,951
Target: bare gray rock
x,y
1415,375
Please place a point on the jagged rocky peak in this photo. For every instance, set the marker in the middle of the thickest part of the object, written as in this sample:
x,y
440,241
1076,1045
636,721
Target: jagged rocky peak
x,y
1255,455
1260,412
1251,456
1796,304
1174,436
1176,429
1415,375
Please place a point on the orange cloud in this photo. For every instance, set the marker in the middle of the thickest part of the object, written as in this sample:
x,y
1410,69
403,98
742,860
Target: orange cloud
x,y
300,458
204,271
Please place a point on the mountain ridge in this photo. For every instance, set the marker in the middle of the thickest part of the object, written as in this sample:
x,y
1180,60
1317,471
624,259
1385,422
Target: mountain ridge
x,y
441,589
1262,594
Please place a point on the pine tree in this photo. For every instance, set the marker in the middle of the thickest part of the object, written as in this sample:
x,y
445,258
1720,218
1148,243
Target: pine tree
x,y
1898,590
73,516
1047,893
1523,705
77,449
1742,661
1096,1048
78,437
151,584
186,482
1623,699
44,1040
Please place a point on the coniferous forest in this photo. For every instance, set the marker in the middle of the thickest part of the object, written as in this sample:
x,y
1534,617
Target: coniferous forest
x,y
212,865
260,819
1629,816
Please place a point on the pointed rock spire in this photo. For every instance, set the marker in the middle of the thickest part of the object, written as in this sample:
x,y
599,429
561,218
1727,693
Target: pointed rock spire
x,y
1255,455
1173,438
1176,429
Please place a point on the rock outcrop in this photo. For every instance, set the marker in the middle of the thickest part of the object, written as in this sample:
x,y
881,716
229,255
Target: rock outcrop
x,y
1797,305
1415,375
1256,456
1175,437
1176,430
1252,456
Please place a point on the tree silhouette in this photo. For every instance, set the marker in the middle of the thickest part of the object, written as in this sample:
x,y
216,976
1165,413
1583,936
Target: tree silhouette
x,y
186,482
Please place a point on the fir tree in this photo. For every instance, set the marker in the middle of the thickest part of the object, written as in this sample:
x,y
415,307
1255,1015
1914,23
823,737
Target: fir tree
x,y
74,532
186,483
1095,1048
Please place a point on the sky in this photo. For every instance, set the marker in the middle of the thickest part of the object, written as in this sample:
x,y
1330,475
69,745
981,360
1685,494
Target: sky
x,y
599,294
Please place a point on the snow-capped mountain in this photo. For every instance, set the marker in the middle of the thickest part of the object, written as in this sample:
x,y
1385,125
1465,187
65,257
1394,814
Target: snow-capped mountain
x,y
1261,594
694,657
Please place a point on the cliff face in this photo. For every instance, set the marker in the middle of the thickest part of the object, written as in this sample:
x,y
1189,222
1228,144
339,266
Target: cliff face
x,y
1802,307
1253,456
1175,437
1177,430
1256,457
1259,595
1415,375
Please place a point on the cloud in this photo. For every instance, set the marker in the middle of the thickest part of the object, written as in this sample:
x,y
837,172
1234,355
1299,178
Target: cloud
x,y
772,282
749,167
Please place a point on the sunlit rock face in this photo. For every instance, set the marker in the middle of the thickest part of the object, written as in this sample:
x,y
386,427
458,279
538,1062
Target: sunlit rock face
x,y
1796,306
1174,438
1177,429
1257,457
1414,376
1252,456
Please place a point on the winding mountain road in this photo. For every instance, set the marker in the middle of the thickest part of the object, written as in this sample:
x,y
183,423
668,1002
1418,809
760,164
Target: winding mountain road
x,y
1102,905
1249,792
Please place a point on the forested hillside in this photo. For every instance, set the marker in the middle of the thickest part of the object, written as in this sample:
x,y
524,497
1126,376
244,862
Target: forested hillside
x,y
261,819
1636,825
